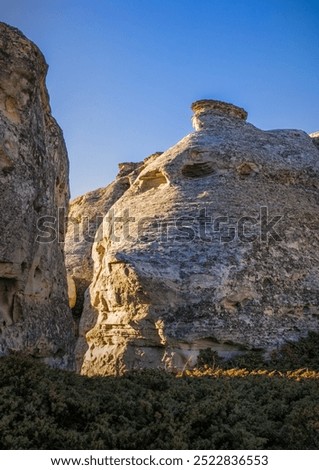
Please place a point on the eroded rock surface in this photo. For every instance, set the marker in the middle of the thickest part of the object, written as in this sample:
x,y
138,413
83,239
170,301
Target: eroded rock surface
x,y
315,138
215,244
34,314
85,216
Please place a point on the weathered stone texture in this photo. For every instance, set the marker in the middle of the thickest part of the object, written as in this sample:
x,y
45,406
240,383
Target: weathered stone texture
x,y
315,138
215,244
34,313
85,216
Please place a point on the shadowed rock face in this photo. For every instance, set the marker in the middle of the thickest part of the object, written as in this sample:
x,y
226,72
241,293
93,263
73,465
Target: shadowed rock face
x,y
86,214
34,313
215,244
315,138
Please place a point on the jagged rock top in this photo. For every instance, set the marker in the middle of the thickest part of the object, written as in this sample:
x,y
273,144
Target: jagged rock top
x,y
15,49
218,107
206,112
15,45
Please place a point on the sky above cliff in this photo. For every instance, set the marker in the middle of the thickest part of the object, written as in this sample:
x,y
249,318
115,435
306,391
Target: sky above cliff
x,y
123,73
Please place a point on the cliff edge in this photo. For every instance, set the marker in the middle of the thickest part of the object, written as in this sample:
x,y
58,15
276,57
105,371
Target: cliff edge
x,y
34,315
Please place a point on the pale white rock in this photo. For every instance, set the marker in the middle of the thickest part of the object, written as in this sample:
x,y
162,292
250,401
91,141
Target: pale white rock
x,y
71,291
34,315
215,244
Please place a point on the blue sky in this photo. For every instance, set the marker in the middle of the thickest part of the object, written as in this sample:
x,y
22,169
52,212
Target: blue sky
x,y
123,73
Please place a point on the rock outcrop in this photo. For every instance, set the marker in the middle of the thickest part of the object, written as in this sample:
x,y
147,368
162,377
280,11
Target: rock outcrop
x,y
215,244
86,214
34,314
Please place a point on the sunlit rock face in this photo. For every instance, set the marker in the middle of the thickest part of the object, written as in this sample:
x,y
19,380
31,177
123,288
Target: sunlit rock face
x,y
215,244
34,315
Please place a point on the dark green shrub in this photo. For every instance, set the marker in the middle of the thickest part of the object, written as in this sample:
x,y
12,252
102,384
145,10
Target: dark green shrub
x,y
42,408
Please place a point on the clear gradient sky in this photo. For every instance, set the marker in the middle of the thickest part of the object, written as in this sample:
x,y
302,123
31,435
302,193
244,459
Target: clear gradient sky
x,y
123,73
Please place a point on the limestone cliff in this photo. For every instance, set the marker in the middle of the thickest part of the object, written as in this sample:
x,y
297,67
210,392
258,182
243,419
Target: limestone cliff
x,y
34,313
215,244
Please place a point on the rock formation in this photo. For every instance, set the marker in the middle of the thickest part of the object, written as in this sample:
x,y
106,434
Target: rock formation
x,y
85,216
34,313
215,244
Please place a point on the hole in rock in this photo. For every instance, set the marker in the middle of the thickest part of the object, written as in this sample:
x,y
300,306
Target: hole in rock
x,y
247,168
152,180
198,170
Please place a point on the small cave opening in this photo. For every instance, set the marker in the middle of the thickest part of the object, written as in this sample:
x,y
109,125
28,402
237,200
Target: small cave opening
x,y
198,169
152,180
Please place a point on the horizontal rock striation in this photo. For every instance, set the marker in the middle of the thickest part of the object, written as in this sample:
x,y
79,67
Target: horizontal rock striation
x,y
215,244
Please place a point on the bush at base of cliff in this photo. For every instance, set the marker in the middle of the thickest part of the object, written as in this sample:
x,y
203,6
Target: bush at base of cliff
x,y
41,408
292,355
